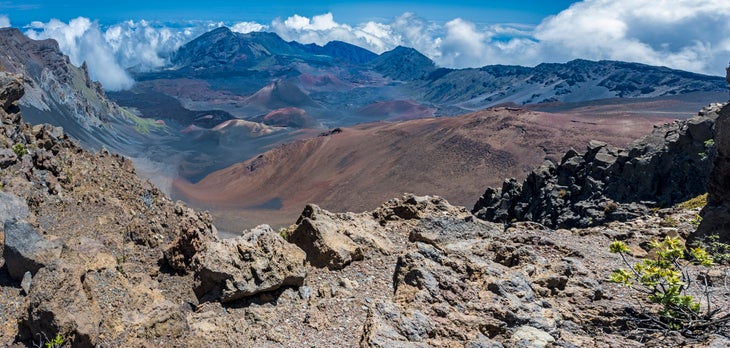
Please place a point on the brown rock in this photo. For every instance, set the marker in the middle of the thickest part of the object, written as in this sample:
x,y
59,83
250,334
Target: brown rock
x,y
335,240
60,304
256,262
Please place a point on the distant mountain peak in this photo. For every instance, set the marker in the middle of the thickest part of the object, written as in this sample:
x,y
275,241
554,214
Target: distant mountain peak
x,y
404,63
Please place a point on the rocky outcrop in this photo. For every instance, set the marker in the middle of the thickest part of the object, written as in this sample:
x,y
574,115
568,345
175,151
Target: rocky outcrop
x,y
607,183
716,214
335,240
259,261
462,281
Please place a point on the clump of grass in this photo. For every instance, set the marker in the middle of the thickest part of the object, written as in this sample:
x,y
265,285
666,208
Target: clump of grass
x,y
694,203
19,150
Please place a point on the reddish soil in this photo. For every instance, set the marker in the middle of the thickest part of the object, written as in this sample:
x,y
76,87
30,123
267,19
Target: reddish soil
x,y
361,166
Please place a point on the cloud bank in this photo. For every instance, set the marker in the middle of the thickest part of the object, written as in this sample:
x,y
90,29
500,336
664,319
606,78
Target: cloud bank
x,y
691,35
4,21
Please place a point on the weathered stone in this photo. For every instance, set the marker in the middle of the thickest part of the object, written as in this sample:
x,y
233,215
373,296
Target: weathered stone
x,y
27,250
258,261
60,304
26,282
7,158
335,240
387,326
11,90
195,230
12,208
530,337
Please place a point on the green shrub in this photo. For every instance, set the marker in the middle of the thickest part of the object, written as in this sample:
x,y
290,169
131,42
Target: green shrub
x,y
19,150
56,342
720,251
665,278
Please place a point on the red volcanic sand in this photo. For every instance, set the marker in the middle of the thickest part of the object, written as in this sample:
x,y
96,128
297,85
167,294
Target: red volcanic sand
x,y
288,117
365,165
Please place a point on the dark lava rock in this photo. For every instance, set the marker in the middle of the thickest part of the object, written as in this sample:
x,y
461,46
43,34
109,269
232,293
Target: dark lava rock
x,y
607,183
716,214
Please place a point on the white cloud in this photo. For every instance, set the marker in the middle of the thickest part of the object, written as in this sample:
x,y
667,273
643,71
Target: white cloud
x,y
145,46
247,27
4,21
82,40
684,34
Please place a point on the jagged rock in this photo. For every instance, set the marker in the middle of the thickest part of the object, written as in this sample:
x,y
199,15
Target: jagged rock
x,y
12,208
27,250
530,337
26,282
132,305
465,282
607,183
195,231
335,240
11,90
60,304
716,214
256,262
387,326
411,207
7,158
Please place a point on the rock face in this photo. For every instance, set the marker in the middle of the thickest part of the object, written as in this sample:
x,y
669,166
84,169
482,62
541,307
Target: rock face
x,y
259,261
606,183
465,281
716,214
335,240
26,250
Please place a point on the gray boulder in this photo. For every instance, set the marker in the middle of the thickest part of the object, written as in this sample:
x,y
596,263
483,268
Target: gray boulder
x,y
27,250
258,261
12,208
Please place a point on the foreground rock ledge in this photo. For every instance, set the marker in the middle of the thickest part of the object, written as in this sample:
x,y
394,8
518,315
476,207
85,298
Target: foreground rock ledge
x,y
259,261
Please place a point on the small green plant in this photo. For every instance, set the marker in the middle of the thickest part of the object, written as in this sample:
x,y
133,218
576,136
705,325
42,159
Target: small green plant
x,y
665,278
669,222
720,251
56,342
709,143
19,150
695,221
284,232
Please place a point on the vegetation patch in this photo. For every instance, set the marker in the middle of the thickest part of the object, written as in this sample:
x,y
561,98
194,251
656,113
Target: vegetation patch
x,y
665,276
694,203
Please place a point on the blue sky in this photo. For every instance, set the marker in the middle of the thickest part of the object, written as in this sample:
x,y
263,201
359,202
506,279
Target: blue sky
x,y
108,12
692,35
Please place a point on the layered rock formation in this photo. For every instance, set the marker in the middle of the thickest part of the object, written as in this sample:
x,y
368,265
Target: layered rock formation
x,y
716,215
607,183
